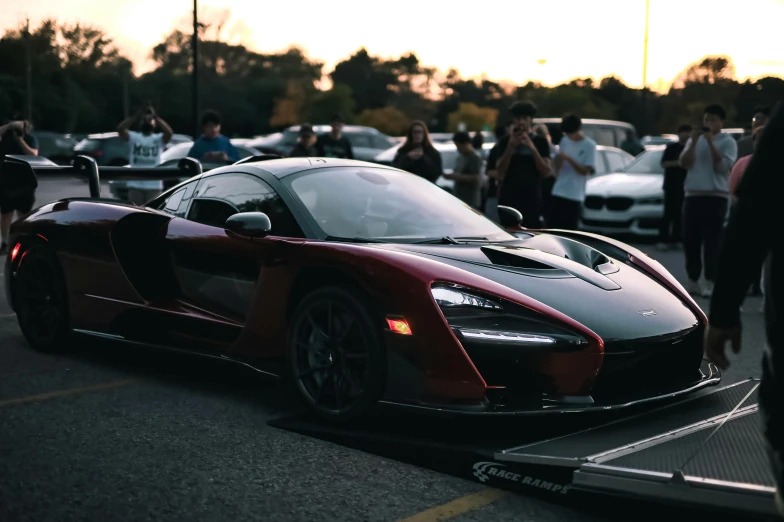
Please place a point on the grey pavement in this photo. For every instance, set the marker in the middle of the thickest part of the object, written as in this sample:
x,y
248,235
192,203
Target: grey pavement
x,y
189,440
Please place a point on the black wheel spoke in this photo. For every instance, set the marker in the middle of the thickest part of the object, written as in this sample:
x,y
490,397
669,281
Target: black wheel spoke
x,y
346,329
312,370
346,373
329,320
355,356
316,328
336,386
322,386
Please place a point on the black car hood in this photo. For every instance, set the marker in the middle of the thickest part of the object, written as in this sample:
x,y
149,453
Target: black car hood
x,y
611,298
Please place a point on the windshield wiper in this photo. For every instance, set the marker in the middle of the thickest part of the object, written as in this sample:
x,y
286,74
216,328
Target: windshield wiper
x,y
449,240
355,239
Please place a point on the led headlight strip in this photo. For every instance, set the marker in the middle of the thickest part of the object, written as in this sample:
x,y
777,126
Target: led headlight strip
x,y
507,337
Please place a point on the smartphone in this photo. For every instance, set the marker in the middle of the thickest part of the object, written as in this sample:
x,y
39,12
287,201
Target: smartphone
x,y
705,129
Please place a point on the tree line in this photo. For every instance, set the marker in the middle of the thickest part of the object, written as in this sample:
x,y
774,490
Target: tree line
x,y
82,83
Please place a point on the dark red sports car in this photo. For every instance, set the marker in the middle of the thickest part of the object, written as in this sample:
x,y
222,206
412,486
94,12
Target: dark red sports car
x,y
362,284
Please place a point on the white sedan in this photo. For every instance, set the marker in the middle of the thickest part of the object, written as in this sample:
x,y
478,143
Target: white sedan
x,y
630,201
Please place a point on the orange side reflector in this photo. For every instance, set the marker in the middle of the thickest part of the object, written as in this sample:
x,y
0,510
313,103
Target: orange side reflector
x,y
399,326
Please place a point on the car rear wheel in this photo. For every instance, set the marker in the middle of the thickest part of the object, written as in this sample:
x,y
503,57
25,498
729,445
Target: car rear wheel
x,y
336,354
42,300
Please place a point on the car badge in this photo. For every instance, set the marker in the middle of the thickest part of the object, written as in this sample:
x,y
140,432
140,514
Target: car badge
x,y
647,313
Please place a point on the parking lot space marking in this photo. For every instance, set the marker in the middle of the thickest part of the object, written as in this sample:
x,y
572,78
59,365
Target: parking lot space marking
x,y
64,393
457,506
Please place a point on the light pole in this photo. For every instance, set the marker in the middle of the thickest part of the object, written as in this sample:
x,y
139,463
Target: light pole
x,y
645,46
195,88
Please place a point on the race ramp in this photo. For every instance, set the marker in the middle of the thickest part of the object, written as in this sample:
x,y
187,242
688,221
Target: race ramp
x,y
705,452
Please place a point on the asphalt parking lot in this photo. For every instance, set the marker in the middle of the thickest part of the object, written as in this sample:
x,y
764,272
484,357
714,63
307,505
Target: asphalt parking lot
x,y
111,433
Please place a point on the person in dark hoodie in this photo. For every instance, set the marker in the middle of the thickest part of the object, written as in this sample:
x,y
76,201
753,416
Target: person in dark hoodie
x,y
753,238
417,154
306,143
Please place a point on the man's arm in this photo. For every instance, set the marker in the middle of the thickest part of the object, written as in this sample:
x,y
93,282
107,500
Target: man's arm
x,y
506,158
167,130
588,167
349,148
28,144
122,128
723,156
232,154
689,152
541,150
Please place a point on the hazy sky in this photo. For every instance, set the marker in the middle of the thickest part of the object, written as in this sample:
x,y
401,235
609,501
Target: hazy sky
x,y
503,39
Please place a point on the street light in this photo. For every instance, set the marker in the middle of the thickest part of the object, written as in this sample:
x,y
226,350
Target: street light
x,y
195,88
645,46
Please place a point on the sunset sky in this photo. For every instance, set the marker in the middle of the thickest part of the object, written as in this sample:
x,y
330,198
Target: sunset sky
x,y
502,39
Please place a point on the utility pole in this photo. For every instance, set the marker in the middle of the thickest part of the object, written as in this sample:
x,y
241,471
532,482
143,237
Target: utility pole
x,y
195,90
645,46
28,72
125,78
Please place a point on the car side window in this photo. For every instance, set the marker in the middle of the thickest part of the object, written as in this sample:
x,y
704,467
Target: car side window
x,y
177,203
601,163
219,197
359,139
615,161
620,136
381,143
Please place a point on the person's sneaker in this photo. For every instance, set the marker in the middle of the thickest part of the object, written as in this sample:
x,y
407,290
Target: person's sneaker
x,y
707,289
662,246
693,287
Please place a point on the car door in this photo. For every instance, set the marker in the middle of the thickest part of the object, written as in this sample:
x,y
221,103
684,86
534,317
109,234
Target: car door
x,y
218,271
362,146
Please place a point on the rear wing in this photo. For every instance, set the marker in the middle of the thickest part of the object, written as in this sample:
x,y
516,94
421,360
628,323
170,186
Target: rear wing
x,y
33,167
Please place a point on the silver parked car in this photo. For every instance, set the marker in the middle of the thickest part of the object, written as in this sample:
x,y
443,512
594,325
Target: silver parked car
x,y
366,142
628,201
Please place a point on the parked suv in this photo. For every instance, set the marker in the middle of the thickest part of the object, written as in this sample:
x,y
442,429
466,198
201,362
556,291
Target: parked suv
x,y
604,132
366,142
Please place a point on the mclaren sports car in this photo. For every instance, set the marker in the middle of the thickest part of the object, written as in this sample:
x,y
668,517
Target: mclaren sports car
x,y
360,284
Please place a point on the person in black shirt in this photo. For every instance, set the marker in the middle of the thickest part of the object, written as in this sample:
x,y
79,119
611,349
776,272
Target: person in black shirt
x,y
306,143
417,154
753,238
16,195
674,176
521,161
334,144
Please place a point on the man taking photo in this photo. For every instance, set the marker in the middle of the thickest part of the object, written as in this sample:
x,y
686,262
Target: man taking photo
x,y
708,158
520,161
145,146
17,193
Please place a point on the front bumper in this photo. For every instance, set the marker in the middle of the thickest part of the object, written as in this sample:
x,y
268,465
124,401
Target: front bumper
x,y
708,376
637,220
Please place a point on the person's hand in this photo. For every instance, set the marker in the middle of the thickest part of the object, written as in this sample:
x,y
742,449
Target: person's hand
x,y
716,339
415,154
527,141
708,135
516,138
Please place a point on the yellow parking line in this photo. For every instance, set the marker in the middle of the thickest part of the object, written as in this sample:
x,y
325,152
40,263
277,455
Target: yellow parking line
x,y
64,393
457,506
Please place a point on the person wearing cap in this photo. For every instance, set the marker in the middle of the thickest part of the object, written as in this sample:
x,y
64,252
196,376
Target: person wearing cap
x,y
334,144
520,161
306,143
467,173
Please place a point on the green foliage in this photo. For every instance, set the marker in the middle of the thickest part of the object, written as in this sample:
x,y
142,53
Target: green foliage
x,y
80,81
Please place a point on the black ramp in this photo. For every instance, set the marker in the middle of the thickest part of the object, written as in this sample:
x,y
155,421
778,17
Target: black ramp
x,y
574,449
736,453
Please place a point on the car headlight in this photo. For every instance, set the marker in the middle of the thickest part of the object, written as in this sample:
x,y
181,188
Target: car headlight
x,y
650,201
453,297
482,321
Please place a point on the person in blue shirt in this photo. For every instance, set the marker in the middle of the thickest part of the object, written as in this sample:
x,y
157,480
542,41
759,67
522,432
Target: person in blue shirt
x,y
213,146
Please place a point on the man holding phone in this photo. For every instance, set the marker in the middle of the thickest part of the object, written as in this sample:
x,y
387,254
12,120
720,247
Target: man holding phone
x,y
520,162
708,158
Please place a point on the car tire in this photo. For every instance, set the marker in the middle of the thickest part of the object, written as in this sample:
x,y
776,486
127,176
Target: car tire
x,y
41,300
336,357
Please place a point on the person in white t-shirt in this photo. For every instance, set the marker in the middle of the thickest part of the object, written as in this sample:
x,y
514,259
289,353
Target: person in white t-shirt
x,y
145,148
574,162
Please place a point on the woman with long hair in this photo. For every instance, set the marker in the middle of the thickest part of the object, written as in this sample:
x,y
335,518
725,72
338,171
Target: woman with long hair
x,y
417,154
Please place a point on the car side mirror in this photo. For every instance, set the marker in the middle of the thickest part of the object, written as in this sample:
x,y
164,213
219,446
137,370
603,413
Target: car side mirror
x,y
249,224
509,217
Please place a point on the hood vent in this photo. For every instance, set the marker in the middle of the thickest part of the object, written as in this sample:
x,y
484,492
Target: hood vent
x,y
512,259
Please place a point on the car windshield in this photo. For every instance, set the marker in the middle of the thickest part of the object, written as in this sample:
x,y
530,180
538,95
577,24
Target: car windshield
x,y
646,163
387,205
